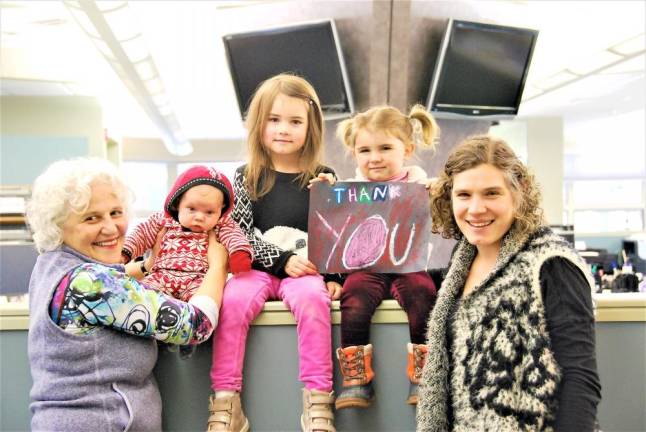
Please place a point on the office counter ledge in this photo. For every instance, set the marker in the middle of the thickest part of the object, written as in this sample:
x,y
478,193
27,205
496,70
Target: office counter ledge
x,y
616,307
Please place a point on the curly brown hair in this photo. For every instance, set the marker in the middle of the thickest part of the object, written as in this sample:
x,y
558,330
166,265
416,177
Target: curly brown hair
x,y
485,149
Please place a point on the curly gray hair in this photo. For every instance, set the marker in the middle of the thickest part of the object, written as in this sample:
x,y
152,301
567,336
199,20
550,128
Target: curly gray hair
x,y
65,187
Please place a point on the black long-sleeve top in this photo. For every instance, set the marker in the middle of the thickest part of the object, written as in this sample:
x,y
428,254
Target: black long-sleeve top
x,y
285,205
570,323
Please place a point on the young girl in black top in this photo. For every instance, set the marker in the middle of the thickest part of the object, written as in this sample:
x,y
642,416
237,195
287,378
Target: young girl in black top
x,y
285,127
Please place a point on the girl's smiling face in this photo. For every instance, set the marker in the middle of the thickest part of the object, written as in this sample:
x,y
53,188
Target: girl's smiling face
x,y
379,156
286,128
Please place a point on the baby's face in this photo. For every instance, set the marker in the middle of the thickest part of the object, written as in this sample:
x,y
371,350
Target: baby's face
x,y
200,208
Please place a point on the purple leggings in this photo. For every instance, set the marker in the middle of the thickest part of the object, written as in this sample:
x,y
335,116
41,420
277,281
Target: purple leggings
x,y
244,297
362,293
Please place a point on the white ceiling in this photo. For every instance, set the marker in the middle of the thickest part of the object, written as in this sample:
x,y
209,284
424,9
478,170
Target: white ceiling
x,y
45,52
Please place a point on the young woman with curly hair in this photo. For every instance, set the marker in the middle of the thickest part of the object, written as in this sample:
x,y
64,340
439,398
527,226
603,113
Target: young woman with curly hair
x,y
511,338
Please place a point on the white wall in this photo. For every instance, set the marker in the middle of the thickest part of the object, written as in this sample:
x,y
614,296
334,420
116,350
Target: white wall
x,y
204,150
539,143
55,116
545,158
37,130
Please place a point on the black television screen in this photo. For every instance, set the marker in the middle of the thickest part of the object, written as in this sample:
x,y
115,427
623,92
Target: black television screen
x,y
310,50
481,69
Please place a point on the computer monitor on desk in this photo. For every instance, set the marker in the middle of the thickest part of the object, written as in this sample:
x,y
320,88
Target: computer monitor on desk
x,y
634,253
600,259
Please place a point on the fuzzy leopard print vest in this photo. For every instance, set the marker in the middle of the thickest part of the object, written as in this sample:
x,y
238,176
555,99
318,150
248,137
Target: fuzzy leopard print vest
x,y
499,373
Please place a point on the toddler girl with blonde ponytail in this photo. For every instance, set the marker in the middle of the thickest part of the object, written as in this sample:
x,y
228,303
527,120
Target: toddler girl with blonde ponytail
x,y
381,140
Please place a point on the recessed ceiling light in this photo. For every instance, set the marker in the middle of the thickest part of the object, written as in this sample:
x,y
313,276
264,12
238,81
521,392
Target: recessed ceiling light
x,y
530,92
634,65
593,62
631,46
557,79
51,22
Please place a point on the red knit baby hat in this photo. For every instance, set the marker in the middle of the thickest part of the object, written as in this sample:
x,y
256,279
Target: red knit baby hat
x,y
194,176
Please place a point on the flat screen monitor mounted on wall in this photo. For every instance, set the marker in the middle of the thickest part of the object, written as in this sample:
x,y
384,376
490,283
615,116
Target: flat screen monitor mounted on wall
x,y
481,70
310,50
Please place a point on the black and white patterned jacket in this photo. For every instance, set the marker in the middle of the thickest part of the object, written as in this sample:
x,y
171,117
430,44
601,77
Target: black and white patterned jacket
x,y
273,248
499,374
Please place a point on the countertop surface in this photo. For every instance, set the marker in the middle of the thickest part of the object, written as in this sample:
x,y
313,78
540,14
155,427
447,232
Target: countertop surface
x,y
615,307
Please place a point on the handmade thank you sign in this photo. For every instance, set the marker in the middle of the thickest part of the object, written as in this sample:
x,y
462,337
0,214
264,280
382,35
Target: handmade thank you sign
x,y
376,227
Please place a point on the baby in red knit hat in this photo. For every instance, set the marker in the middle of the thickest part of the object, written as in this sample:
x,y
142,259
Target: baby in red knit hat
x,y
200,200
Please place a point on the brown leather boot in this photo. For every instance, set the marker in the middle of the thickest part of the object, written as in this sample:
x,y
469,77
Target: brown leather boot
x,y
226,415
416,359
355,363
317,411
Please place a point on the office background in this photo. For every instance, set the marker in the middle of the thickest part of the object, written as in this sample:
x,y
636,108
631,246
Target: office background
x,y
580,128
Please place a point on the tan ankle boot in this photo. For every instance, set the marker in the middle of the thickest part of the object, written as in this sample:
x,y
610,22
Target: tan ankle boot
x,y
226,415
355,363
416,359
317,411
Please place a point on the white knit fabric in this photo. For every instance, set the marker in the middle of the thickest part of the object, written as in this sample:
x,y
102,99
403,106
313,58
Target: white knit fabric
x,y
503,375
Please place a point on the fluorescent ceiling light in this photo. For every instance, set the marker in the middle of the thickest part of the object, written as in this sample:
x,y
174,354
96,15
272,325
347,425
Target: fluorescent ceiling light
x,y
118,68
154,86
165,110
121,22
145,70
111,5
83,21
593,62
592,87
531,91
631,46
160,100
135,49
118,32
557,79
103,48
634,65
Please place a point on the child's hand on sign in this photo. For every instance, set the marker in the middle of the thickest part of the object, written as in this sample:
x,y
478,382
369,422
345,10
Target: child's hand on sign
x,y
334,289
297,266
325,177
428,183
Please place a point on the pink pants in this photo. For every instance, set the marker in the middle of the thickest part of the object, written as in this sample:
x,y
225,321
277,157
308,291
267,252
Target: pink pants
x,y
244,297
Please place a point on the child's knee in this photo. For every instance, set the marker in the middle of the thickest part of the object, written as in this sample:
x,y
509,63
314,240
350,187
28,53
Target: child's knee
x,y
312,295
237,301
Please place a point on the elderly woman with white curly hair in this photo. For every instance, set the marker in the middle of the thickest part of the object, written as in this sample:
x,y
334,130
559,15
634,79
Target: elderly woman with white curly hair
x,y
92,327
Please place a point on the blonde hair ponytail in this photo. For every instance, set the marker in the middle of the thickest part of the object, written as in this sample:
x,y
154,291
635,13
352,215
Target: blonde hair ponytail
x,y
425,129
345,132
418,129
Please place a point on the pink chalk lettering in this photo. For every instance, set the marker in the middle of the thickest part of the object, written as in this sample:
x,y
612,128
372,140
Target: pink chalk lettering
x,y
366,244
